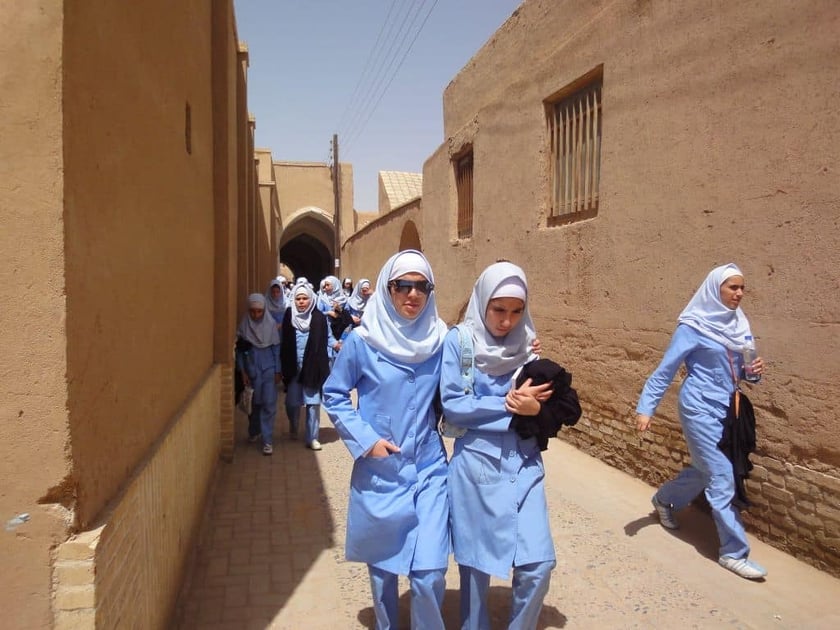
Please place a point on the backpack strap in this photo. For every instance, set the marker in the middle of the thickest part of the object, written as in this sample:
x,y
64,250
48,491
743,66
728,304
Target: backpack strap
x,y
467,358
467,379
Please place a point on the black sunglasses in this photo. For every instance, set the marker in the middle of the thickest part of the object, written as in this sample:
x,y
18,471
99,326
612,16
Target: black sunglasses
x,y
405,286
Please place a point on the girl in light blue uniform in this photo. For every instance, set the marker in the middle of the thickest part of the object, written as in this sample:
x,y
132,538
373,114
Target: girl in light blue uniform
x,y
260,369
275,300
398,510
709,336
358,300
497,498
331,298
305,339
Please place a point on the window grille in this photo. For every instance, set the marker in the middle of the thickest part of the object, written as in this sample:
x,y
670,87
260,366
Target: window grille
x,y
574,124
464,186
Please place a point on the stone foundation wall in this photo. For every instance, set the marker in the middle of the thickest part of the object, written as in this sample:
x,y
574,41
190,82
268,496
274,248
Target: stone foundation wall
x,y
126,572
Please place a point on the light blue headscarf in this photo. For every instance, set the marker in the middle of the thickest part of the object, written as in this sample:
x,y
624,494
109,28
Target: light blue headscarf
x,y
357,301
261,332
382,328
335,294
276,308
706,314
499,355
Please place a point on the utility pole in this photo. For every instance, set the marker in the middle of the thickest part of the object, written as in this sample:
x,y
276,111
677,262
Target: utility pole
x,y
336,177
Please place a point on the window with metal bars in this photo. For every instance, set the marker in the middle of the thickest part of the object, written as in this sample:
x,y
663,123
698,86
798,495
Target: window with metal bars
x,y
464,187
574,127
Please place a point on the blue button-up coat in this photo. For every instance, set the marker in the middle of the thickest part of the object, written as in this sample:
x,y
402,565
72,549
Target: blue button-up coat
x,y
496,479
398,511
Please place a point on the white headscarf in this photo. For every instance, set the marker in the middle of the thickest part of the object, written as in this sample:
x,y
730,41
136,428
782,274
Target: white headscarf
x,y
499,355
357,301
262,332
382,328
303,280
275,307
706,314
302,319
335,294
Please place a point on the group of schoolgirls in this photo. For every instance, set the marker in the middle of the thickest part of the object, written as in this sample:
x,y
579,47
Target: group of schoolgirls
x,y
408,506
286,336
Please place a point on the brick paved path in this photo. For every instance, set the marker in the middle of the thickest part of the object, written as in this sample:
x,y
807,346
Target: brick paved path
x,y
270,555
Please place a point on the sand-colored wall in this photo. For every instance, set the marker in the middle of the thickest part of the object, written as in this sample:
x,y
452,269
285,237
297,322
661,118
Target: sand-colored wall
x,y
364,253
140,230
122,159
126,571
721,124
34,434
303,184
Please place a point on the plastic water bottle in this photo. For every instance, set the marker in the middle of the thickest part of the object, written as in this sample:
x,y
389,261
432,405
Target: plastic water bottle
x,y
750,355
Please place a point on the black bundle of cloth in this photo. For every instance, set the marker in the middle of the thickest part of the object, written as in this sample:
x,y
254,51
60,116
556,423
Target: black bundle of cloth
x,y
563,408
738,441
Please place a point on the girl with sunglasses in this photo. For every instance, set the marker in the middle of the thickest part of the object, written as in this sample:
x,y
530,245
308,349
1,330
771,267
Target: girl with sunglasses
x,y
398,513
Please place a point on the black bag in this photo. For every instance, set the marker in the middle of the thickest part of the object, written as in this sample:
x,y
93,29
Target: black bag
x,y
738,441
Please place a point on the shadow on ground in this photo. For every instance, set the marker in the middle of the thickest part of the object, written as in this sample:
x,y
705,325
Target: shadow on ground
x,y
498,601
266,523
696,528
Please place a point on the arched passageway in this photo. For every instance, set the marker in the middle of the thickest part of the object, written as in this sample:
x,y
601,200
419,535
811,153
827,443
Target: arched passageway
x,y
410,238
306,244
306,256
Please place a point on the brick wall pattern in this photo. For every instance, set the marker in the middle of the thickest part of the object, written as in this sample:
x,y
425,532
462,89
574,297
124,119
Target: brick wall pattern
x,y
794,508
126,572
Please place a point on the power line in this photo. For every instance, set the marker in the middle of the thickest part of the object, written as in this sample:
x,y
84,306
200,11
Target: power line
x,y
384,64
365,69
384,81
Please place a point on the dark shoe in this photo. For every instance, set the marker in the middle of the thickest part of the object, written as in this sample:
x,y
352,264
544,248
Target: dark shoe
x,y
665,513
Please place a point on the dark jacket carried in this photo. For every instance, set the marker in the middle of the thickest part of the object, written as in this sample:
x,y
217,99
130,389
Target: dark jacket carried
x,y
738,441
316,364
563,408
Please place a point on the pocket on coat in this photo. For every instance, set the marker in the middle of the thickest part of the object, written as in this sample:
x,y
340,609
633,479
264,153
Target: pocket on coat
x,y
382,425
377,474
481,467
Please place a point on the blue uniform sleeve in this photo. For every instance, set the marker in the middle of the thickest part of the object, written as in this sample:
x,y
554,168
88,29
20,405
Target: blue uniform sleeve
x,y
275,353
467,410
358,436
683,342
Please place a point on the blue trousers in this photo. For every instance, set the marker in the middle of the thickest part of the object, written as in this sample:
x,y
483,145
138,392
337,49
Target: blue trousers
x,y
313,420
530,585
264,411
710,471
427,589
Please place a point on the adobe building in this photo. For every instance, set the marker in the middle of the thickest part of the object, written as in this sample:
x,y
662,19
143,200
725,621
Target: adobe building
x,y
301,200
618,152
131,232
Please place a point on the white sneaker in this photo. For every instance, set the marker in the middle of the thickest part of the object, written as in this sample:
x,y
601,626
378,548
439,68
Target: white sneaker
x,y
267,449
743,567
665,513
315,445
